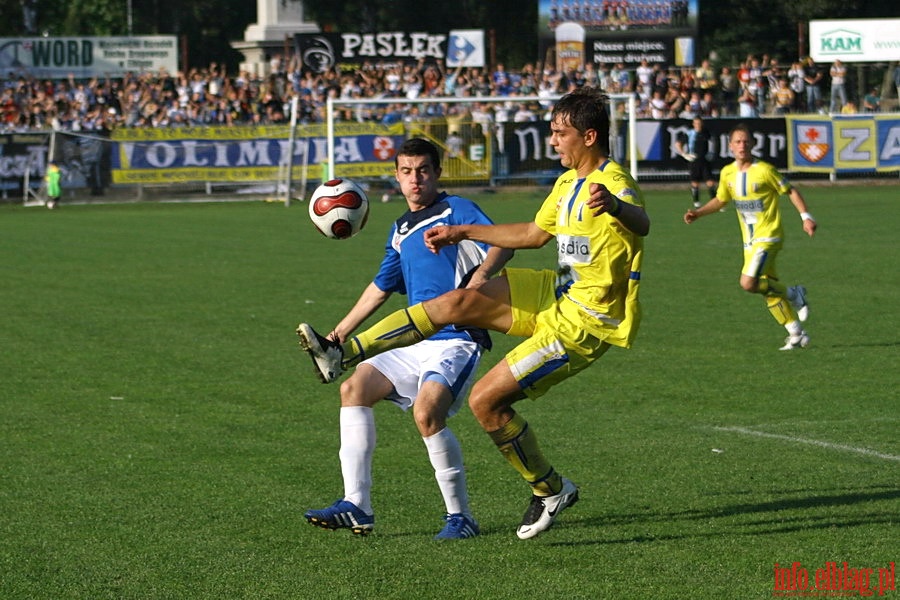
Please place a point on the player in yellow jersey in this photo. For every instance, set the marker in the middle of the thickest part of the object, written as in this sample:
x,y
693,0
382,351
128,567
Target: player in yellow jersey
x,y
755,186
596,213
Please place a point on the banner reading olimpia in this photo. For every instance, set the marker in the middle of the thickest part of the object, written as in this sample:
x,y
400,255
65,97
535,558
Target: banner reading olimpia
x,y
616,32
243,154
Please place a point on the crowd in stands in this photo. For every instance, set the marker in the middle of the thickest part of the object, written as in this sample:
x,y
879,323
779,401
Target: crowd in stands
x,y
759,86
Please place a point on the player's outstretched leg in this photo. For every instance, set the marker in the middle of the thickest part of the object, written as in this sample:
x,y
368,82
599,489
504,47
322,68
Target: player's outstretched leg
x,y
543,510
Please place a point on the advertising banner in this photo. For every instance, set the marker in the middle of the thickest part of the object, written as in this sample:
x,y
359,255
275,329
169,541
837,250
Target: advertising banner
x,y
242,154
526,147
86,57
821,143
350,51
656,141
855,40
571,33
22,154
814,143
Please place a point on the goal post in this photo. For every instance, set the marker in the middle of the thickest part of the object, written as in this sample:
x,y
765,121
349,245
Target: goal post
x,y
469,166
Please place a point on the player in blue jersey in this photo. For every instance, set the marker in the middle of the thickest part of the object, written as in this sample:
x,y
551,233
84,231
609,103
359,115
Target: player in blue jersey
x,y
595,212
432,377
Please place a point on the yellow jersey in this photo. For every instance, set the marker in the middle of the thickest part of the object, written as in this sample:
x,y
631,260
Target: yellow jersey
x,y
755,193
603,255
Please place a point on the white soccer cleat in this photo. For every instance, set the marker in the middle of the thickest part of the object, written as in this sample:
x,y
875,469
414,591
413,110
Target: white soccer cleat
x,y
797,296
326,354
543,510
795,342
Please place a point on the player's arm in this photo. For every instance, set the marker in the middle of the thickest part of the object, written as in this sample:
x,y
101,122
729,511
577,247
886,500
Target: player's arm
x,y
633,217
369,301
714,205
495,260
809,224
512,236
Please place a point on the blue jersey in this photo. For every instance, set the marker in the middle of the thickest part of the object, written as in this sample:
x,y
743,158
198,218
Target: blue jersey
x,y
408,267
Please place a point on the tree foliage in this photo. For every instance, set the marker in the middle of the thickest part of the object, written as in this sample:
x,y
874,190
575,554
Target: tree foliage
x,y
732,29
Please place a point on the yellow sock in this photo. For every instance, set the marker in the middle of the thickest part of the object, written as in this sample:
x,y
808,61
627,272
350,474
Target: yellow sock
x,y
781,309
519,446
776,300
401,328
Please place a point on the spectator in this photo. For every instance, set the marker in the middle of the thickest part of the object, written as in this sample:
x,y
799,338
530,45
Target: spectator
x,y
687,82
501,80
591,76
677,101
783,98
643,100
708,105
838,74
659,108
660,79
743,76
644,75
872,101
693,107
813,79
524,114
728,83
797,84
210,96
705,77
747,104
621,79
758,84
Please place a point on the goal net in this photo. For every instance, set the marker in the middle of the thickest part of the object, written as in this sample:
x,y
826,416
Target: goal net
x,y
483,140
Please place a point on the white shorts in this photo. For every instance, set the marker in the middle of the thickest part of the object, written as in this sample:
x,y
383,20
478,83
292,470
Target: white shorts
x,y
451,362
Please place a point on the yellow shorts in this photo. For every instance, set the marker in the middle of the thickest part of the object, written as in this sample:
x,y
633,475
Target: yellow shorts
x,y
759,259
557,346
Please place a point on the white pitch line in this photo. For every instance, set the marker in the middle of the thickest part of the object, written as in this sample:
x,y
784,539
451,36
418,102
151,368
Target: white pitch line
x,y
821,444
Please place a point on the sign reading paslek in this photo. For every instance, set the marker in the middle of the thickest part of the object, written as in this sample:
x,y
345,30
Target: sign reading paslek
x,y
348,51
84,57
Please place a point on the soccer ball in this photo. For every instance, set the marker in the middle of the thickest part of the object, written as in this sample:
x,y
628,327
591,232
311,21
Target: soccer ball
x,y
339,209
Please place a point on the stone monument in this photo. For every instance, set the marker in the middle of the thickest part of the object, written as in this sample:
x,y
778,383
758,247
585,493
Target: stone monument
x,y
272,34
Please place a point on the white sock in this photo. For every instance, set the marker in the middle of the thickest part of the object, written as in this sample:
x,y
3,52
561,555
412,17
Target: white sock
x,y
445,454
794,328
357,446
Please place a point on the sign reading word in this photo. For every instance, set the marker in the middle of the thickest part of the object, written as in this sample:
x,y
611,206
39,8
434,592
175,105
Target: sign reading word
x,y
86,57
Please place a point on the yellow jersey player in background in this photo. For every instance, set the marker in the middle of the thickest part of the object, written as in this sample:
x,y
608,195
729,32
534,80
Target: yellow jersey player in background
x,y
596,213
755,186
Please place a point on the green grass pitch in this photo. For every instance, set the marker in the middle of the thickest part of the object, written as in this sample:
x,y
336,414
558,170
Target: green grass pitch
x,y
161,433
